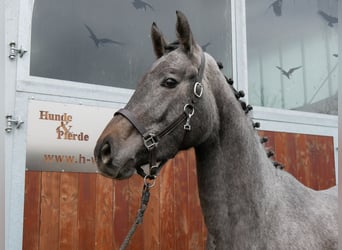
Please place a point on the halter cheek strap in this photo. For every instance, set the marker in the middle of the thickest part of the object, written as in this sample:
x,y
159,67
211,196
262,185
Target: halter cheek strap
x,y
152,139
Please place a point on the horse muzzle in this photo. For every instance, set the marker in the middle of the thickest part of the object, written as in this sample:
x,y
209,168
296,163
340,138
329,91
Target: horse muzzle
x,y
111,166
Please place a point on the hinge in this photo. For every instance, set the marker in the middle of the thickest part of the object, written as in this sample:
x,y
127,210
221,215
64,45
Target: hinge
x,y
12,121
14,51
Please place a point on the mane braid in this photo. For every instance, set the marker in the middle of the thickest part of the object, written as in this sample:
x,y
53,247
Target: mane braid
x,y
239,94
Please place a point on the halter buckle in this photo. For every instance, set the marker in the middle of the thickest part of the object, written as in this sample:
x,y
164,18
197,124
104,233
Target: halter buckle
x,y
198,89
150,141
187,125
189,111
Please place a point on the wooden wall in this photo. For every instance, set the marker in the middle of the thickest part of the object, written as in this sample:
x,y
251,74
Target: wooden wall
x,y
87,211
310,158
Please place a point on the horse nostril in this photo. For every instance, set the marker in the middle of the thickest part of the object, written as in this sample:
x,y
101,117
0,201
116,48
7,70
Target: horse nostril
x,y
105,154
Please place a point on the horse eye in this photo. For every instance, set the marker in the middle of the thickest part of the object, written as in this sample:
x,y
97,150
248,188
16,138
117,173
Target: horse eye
x,y
170,83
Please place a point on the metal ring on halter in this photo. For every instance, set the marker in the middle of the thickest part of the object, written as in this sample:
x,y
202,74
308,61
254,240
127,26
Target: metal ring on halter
x,y
189,110
152,180
198,89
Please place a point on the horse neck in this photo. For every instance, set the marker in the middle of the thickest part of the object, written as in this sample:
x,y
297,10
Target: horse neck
x,y
232,165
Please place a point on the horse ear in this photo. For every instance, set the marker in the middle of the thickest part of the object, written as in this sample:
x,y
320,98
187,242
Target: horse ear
x,y
184,33
158,41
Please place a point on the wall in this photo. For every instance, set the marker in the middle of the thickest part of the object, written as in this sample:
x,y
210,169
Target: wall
x,y
88,211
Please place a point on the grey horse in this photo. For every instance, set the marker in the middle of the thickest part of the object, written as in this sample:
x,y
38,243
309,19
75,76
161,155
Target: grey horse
x,y
184,101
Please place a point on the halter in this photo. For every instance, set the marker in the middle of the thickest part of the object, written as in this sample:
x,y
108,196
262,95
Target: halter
x,y
151,139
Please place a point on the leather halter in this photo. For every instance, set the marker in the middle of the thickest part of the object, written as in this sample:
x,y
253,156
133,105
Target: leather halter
x,y
151,139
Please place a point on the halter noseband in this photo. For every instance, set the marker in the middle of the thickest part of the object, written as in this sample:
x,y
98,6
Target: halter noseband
x,y
151,139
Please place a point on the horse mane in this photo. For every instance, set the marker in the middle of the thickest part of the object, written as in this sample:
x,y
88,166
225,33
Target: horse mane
x,y
238,94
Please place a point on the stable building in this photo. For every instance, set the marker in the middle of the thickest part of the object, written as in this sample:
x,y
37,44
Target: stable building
x,y
68,66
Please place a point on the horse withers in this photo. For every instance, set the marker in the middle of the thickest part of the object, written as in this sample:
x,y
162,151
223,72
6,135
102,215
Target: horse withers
x,y
184,101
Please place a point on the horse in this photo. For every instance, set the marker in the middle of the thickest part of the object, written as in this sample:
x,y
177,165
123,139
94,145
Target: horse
x,y
184,101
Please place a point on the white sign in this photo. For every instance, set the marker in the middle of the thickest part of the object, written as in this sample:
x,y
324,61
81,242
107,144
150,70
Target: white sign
x,y
62,137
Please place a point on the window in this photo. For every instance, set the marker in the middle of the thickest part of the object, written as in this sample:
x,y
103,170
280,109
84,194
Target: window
x,y
293,54
107,42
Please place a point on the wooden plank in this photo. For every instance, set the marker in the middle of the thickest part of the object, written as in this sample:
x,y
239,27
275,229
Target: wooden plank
x,y
167,212
32,210
68,228
316,153
194,209
86,211
181,202
104,213
120,212
313,154
326,164
304,162
330,161
151,228
135,190
286,151
49,216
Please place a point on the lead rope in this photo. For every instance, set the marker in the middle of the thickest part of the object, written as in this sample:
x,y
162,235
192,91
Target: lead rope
x,y
145,197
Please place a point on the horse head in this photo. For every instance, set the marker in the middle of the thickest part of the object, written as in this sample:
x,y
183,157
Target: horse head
x,y
171,109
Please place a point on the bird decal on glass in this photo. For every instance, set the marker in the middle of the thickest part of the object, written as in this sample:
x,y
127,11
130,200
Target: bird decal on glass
x,y
289,72
101,41
139,4
331,20
277,7
205,46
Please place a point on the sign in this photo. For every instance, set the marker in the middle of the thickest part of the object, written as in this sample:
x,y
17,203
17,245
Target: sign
x,y
62,137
